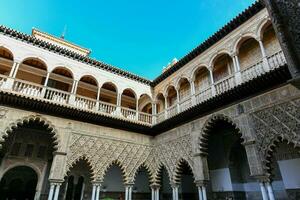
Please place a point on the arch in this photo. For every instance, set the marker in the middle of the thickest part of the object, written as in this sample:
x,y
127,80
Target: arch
x,y
184,88
196,69
35,118
90,79
145,103
4,49
209,125
129,99
20,164
179,167
238,43
202,79
36,59
58,70
158,174
171,94
268,157
150,174
222,66
109,93
85,159
118,164
160,102
87,87
180,79
262,26
217,55
6,62
30,178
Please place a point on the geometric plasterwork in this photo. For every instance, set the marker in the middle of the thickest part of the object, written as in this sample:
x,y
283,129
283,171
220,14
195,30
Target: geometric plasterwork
x,y
274,124
101,153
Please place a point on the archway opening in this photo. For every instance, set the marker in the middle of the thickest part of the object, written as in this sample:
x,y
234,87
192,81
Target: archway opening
x,y
227,163
145,104
6,62
129,104
141,189
201,79
113,185
222,67
187,186
30,144
108,93
87,93
184,89
32,70
249,53
61,79
77,184
284,167
19,183
165,190
270,41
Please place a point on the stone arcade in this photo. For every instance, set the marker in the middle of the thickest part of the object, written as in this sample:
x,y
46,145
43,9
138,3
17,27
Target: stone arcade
x,y
221,123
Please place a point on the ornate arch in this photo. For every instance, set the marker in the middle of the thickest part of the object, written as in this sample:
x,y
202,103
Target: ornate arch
x,y
103,172
34,118
86,160
178,168
158,173
209,125
241,39
149,171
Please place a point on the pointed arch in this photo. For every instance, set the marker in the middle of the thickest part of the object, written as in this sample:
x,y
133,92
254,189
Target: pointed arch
x,y
148,170
109,165
179,167
209,125
158,174
84,159
33,118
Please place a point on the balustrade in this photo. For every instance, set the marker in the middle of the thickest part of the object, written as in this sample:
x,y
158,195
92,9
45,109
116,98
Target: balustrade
x,y
55,95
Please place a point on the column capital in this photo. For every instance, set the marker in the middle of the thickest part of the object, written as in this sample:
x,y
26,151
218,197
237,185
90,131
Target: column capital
x,y
56,181
155,186
175,185
96,183
200,183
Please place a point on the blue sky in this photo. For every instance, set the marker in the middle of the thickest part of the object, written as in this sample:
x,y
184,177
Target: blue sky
x,y
140,36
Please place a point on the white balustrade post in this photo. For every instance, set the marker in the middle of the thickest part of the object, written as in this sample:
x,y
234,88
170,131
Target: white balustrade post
x,y
56,191
12,75
264,55
178,100
193,93
51,192
213,88
270,191
73,93
237,70
45,85
98,99
263,191
154,112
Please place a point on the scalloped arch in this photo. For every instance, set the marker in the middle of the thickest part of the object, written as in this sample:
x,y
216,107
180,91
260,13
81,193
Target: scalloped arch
x,y
208,125
18,123
86,160
149,172
178,167
108,166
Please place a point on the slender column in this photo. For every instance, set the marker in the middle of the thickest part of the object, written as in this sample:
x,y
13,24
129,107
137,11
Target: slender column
x,y
175,192
264,55
137,109
14,70
10,80
56,191
154,112
130,193
200,193
153,193
263,191
94,192
157,194
204,192
98,187
119,100
51,192
193,93
178,100
166,107
237,70
73,93
98,98
82,191
126,193
213,88
270,191
45,85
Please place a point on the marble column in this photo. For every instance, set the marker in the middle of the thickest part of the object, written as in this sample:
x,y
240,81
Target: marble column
x,y
270,191
213,88
263,191
94,191
237,70
51,192
264,56
57,188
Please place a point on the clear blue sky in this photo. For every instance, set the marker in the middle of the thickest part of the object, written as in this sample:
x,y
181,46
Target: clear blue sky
x,y
140,36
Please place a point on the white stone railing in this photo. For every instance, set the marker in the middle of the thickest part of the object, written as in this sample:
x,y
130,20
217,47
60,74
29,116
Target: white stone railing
x,y
145,117
276,60
203,95
185,103
85,103
224,84
107,108
54,95
172,111
129,113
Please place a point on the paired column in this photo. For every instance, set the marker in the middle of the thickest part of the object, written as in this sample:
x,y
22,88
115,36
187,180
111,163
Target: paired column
x,y
12,75
237,69
73,92
96,191
154,112
202,191
155,192
128,192
54,191
213,88
98,98
119,100
264,55
193,92
266,191
45,85
178,100
166,107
